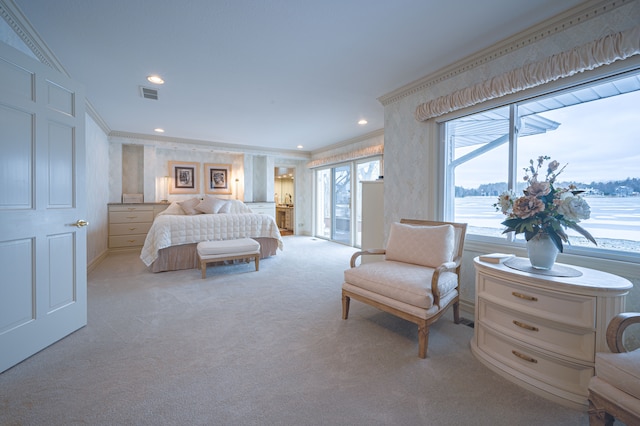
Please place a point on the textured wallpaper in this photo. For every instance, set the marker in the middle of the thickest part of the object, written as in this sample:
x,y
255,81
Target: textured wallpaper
x,y
97,187
411,151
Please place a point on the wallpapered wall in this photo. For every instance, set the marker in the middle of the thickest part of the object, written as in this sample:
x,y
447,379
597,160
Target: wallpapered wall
x,y
412,177
97,185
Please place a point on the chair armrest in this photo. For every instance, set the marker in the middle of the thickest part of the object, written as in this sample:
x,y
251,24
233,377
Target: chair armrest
x,y
616,328
363,253
447,266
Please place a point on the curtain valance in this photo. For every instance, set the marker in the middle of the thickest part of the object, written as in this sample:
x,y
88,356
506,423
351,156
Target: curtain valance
x,y
604,51
364,152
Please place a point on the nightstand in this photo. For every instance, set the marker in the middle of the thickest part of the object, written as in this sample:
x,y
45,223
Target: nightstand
x,y
129,223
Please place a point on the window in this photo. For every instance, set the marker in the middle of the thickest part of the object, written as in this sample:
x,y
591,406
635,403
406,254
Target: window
x,y
591,128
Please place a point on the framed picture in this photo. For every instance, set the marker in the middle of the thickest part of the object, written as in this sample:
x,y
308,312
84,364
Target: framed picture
x,y
217,178
185,177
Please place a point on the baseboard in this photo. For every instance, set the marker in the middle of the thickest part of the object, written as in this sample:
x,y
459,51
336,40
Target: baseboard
x,y
467,309
96,261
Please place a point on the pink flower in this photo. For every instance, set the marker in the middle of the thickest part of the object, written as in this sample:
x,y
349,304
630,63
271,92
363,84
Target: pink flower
x,y
528,206
537,189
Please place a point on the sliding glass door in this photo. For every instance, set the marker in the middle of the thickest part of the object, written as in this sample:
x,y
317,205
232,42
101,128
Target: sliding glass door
x,y
333,204
323,215
342,206
335,201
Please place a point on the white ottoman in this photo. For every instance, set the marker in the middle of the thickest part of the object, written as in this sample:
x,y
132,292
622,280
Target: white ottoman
x,y
216,251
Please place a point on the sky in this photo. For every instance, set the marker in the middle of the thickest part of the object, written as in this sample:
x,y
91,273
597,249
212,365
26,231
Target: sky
x,y
591,134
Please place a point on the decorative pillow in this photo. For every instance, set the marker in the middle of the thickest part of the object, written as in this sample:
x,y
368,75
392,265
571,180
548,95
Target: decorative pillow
x,y
211,205
235,207
174,208
189,206
429,246
226,207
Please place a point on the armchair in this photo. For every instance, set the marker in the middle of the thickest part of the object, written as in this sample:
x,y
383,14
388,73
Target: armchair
x,y
614,392
418,278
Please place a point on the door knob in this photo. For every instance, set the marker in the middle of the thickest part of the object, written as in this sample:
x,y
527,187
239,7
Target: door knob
x,y
80,223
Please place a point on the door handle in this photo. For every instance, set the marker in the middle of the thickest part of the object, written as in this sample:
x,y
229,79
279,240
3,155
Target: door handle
x,y
80,223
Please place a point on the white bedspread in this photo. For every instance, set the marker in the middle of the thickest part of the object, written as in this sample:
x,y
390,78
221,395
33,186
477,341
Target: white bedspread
x,y
173,230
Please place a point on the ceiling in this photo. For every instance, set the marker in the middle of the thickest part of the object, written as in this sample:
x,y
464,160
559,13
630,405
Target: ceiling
x,y
265,73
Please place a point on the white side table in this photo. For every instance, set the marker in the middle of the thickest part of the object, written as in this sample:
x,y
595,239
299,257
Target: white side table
x,y
542,332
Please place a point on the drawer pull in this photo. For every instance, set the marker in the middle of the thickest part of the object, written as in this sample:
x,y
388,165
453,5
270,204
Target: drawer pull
x,y
525,357
131,241
525,297
132,229
131,217
525,326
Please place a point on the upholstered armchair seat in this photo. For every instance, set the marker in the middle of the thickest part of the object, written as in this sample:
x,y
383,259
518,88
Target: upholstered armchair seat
x,y
614,392
417,279
404,283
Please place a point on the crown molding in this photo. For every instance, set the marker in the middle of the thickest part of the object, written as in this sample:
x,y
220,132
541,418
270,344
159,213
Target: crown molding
x,y
370,135
552,26
30,37
201,145
23,28
96,117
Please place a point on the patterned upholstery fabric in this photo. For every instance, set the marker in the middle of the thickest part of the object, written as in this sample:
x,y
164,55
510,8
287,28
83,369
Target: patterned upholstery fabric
x,y
429,246
406,282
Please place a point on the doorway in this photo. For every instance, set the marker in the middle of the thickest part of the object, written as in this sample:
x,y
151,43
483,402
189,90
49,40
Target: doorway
x,y
284,198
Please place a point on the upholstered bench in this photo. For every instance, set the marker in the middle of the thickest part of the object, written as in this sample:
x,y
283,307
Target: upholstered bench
x,y
218,251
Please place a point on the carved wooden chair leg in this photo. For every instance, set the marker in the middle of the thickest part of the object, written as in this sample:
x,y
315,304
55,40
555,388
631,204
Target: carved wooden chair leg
x,y
423,339
599,417
345,306
456,312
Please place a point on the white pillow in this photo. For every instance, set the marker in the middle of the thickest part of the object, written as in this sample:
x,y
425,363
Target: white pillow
x,y
174,208
189,206
236,207
429,246
210,205
226,207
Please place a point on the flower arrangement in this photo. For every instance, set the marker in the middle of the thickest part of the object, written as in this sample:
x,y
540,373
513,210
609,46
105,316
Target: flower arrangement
x,y
544,208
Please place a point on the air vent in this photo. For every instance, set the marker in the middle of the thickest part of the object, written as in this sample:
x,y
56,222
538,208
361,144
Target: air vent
x,y
149,93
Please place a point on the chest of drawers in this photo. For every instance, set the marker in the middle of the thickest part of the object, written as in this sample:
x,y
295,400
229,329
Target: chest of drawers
x,y
268,208
542,332
129,223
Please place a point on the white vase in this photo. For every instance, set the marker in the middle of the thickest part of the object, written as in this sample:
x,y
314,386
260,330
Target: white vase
x,y
542,251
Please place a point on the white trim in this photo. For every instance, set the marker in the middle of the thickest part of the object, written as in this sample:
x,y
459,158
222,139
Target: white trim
x,y
558,24
604,51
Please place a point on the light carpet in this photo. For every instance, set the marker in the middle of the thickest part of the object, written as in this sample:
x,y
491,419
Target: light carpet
x,y
257,348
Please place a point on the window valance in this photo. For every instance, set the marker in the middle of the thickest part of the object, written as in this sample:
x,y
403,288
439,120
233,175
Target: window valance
x,y
600,52
364,152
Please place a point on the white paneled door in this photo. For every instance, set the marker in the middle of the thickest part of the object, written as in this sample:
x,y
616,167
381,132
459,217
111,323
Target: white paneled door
x,y
43,281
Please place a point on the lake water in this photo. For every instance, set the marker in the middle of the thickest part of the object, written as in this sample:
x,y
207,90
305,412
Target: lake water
x,y
614,222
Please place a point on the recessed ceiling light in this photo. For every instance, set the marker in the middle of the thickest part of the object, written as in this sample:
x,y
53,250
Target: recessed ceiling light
x,y
155,79
158,130
362,122
300,147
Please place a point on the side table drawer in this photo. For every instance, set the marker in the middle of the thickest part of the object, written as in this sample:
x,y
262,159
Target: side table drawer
x,y
130,208
565,308
129,228
571,342
129,217
117,241
564,375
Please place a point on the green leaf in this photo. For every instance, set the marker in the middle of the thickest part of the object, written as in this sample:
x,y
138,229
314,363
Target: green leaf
x,y
556,239
582,231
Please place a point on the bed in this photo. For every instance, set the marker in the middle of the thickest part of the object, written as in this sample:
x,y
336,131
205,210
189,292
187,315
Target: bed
x,y
171,242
